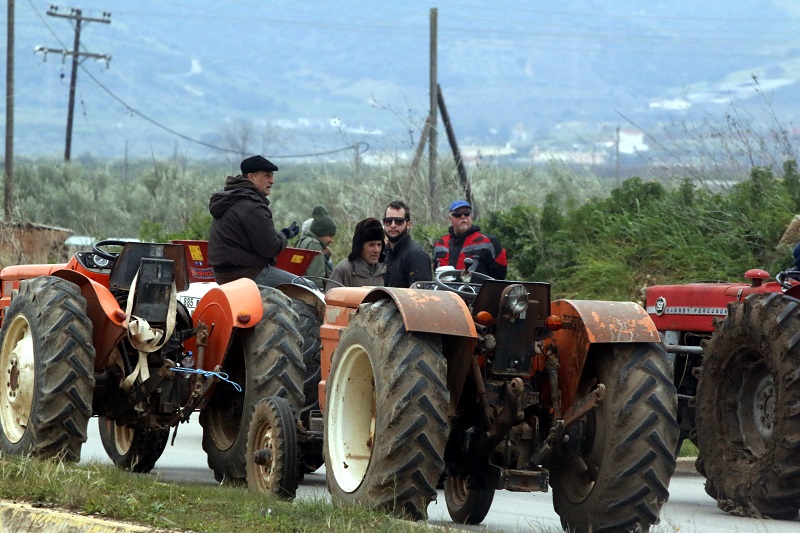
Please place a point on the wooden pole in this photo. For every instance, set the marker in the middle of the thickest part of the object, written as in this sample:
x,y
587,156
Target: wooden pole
x,y
451,137
432,137
8,190
423,139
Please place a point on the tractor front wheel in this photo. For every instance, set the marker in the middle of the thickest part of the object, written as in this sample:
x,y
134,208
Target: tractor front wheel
x,y
466,504
385,418
133,449
616,478
272,452
748,408
46,370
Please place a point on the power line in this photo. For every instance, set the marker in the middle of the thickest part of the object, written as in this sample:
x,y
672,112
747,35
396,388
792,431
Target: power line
x,y
357,146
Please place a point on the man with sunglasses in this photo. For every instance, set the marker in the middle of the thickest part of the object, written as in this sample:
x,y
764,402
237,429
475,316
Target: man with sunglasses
x,y
465,240
406,261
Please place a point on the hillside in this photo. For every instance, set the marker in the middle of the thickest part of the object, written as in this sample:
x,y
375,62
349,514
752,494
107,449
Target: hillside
x,y
295,78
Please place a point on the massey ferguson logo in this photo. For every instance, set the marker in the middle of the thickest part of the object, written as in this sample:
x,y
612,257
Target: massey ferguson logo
x,y
661,305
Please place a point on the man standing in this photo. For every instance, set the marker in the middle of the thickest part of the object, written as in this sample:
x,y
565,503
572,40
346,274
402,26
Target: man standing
x,y
406,261
243,242
319,237
465,240
362,267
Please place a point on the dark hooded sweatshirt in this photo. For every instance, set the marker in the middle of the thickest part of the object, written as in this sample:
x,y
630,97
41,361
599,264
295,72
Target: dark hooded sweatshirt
x,y
243,239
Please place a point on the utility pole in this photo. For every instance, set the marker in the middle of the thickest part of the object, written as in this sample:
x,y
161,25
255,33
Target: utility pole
x,y
8,198
77,58
434,89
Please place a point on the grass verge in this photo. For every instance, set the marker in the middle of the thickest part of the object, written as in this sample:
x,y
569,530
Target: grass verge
x,y
103,490
688,449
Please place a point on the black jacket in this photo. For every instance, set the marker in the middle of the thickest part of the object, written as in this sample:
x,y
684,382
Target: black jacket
x,y
242,231
406,263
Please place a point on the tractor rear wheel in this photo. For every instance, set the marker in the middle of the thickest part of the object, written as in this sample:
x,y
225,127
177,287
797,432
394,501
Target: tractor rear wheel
x,y
266,361
466,504
385,419
617,478
46,370
133,449
272,452
748,408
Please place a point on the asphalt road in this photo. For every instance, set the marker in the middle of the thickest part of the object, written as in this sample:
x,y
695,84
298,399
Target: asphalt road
x,y
689,509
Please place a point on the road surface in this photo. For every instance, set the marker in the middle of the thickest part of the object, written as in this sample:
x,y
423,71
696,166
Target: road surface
x,y
689,509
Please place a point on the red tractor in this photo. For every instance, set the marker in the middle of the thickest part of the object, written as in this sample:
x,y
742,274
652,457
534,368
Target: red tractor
x,y
490,385
105,335
736,350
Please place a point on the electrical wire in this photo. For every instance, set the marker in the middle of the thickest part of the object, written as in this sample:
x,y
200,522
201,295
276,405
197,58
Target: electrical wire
x,y
134,111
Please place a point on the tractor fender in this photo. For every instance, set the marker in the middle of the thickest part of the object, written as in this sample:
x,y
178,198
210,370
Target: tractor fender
x,y
587,322
442,313
102,309
310,296
223,309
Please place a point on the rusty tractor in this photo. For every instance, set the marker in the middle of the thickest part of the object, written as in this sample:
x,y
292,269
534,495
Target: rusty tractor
x,y
490,385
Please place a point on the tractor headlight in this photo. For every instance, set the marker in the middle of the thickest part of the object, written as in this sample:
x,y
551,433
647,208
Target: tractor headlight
x,y
516,300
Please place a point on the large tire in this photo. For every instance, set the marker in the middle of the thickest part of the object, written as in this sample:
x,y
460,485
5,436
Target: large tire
x,y
266,361
309,327
385,417
466,504
618,478
46,371
748,408
133,449
273,437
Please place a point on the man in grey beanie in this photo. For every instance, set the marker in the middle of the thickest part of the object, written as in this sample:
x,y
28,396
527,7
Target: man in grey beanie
x,y
319,237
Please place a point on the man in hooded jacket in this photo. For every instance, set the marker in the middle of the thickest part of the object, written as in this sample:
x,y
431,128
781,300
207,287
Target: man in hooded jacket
x,y
243,242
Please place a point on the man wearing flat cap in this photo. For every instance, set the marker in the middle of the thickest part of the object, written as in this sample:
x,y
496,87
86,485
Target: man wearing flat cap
x,y
465,240
243,242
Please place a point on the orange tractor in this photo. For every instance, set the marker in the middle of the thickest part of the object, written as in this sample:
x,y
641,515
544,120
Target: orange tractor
x,y
105,334
490,385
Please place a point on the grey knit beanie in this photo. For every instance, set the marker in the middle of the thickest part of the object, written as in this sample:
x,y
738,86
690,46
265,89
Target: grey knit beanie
x,y
322,225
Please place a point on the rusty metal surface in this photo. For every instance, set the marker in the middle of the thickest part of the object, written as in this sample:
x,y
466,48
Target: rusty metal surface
x,y
587,322
610,321
429,311
346,296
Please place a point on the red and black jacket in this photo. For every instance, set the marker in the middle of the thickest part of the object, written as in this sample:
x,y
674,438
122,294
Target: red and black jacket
x,y
488,256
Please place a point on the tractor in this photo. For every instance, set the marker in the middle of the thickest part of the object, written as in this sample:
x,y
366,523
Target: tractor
x,y
737,371
105,335
484,384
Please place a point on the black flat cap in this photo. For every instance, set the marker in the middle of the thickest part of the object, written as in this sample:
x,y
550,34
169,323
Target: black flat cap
x,y
256,163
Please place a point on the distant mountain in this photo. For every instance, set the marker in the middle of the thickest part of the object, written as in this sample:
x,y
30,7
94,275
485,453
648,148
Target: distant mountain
x,y
286,77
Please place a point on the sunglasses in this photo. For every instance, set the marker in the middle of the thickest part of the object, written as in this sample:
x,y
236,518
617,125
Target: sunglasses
x,y
461,214
398,221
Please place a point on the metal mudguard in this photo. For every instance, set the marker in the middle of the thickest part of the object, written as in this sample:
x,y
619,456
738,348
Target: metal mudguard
x,y
424,311
223,309
587,322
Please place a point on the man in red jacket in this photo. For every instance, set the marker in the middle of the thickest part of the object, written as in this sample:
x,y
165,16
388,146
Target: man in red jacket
x,y
465,240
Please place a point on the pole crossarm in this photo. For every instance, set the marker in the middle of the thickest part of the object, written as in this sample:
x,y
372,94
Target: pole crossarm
x,y
69,53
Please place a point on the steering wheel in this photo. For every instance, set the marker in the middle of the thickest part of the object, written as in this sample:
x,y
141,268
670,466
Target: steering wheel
x,y
97,248
460,276
783,278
